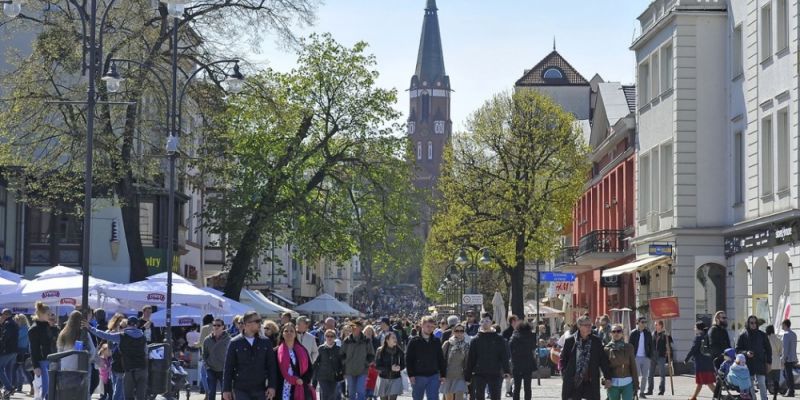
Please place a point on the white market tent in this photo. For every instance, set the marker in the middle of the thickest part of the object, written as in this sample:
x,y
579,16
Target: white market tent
x,y
265,307
58,285
181,316
155,292
328,306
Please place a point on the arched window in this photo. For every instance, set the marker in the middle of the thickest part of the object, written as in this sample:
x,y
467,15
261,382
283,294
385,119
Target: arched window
x,y
709,291
553,73
419,150
430,150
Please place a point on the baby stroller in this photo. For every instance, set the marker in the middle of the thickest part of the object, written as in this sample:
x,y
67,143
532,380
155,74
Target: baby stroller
x,y
724,390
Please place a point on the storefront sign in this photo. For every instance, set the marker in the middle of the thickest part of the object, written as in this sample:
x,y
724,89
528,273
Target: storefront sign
x,y
656,250
774,235
556,277
557,288
156,260
611,281
665,308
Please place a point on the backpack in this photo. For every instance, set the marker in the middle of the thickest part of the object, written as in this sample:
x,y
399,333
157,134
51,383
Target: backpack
x,y
705,345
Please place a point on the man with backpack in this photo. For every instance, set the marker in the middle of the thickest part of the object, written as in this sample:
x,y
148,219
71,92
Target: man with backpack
x,y
718,339
132,346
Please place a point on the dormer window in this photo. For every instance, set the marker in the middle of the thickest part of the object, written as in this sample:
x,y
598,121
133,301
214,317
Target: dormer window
x,y
553,73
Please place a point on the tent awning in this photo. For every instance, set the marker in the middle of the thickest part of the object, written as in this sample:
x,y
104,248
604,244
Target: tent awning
x,y
637,265
264,306
282,298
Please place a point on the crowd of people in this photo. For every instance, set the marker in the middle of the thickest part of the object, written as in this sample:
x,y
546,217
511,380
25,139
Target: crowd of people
x,y
399,300
293,358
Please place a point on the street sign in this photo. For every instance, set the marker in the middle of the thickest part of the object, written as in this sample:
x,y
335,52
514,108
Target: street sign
x,y
660,250
556,277
472,299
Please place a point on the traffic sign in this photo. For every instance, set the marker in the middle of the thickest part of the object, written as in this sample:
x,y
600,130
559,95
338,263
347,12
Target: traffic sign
x,y
472,299
556,277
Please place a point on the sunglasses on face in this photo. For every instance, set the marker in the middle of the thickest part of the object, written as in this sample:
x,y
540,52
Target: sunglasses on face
x,y
459,331
217,326
330,336
617,331
256,321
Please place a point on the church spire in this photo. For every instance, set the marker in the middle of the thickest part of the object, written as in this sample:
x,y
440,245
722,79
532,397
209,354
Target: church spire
x,y
430,60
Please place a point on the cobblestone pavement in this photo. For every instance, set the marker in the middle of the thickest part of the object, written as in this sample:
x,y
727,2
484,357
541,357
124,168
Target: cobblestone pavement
x,y
550,389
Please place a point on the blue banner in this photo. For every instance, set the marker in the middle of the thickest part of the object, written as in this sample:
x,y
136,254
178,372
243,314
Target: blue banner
x,y
556,277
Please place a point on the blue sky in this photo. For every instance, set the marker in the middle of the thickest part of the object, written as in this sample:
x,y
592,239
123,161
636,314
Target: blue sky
x,y
487,43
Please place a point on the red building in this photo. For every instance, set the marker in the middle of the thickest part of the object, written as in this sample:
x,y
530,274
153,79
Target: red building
x,y
603,217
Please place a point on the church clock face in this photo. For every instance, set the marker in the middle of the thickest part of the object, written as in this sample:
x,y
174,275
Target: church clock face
x,y
438,127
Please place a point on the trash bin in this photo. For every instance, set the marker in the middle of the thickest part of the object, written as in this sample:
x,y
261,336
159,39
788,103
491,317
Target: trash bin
x,y
70,384
157,365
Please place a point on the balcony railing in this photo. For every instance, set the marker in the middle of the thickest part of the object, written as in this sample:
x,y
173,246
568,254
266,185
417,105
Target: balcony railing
x,y
603,241
567,255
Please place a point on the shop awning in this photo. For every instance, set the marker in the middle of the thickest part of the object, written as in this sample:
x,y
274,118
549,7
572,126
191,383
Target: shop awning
x,y
635,265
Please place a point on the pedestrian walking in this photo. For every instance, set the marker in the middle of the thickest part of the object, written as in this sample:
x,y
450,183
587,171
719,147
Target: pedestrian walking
x,y
642,341
452,321
22,376
295,366
703,363
9,334
251,367
307,339
523,360
42,344
214,350
271,331
718,338
390,362
329,367
582,360
513,321
358,354
132,348
776,367
753,343
152,333
487,361
604,329
789,358
455,354
117,324
425,362
205,331
622,365
662,341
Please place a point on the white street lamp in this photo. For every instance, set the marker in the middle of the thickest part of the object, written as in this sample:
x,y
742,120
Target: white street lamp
x,y
12,8
112,78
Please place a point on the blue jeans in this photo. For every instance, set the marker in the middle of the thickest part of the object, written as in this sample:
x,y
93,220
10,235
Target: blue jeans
x,y
118,383
7,362
201,368
356,386
425,385
44,366
212,378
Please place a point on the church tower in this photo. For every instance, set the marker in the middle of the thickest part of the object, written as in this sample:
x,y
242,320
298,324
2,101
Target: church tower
x,y
429,125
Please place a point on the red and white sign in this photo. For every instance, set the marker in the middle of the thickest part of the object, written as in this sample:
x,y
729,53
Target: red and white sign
x,y
665,308
156,296
557,288
51,294
68,300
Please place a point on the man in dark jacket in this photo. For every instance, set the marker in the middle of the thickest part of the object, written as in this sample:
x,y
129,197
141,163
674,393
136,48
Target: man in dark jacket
x,y
522,345
9,332
251,367
215,349
642,341
513,321
425,362
133,348
753,343
582,360
662,341
718,339
358,353
487,361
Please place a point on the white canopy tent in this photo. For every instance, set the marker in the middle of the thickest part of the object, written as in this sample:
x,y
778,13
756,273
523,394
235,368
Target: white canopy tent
x,y
176,278
181,316
327,305
256,301
58,285
155,292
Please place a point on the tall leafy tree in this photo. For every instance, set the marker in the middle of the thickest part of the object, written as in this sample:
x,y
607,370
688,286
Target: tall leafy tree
x,y
42,145
508,183
310,157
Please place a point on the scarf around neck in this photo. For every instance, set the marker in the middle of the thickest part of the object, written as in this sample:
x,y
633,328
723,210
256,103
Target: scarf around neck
x,y
582,351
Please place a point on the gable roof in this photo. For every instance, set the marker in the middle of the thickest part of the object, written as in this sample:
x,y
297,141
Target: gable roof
x,y
535,76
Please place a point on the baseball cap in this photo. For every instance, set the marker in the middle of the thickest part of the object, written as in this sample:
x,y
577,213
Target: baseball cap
x,y
133,322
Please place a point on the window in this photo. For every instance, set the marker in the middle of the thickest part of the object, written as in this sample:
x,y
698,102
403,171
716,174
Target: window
x,y
426,105
430,150
667,178
644,82
644,187
411,127
738,168
782,24
553,73
419,150
654,76
736,51
438,127
666,68
766,31
766,156
146,221
783,150
655,187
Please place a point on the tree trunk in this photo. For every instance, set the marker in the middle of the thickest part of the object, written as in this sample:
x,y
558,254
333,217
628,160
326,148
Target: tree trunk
x,y
245,252
133,236
518,279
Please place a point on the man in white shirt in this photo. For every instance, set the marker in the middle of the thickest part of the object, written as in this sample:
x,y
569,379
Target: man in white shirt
x,y
306,339
642,341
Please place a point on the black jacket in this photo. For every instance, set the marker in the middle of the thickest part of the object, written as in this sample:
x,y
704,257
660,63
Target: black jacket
x,y
718,340
660,345
487,356
384,360
598,362
248,367
523,350
41,341
507,333
757,342
425,357
9,334
328,367
648,342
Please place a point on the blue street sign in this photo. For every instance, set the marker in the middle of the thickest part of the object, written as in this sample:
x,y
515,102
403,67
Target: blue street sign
x,y
556,277
660,250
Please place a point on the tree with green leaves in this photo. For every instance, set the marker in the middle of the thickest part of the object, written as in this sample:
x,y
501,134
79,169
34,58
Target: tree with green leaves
x,y
508,183
42,144
311,157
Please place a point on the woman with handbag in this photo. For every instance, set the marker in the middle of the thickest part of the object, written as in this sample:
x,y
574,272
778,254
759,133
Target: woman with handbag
x,y
390,361
295,367
328,368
